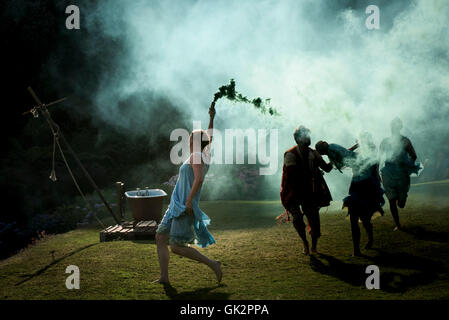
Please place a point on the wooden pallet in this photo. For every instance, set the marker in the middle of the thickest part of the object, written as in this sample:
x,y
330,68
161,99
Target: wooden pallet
x,y
142,230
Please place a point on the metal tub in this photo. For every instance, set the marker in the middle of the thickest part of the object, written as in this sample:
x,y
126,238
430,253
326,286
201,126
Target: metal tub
x,y
146,207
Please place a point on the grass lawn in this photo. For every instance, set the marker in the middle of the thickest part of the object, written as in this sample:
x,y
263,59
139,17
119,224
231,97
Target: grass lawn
x,y
260,259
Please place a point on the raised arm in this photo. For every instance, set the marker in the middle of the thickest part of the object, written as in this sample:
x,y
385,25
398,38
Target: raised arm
x,y
354,147
210,130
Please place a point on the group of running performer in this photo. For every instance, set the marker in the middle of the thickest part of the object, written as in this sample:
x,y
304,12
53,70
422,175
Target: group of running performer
x,y
304,190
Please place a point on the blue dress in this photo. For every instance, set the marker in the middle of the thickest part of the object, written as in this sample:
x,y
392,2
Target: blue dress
x,y
181,228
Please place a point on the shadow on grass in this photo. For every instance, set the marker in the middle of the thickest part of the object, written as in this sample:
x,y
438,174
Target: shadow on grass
x,y
244,221
55,261
427,235
199,294
426,271
353,274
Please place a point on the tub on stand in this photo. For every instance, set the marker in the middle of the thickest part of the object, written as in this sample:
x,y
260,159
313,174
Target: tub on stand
x,y
146,208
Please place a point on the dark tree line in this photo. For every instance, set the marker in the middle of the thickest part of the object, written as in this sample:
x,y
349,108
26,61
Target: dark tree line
x,y
39,52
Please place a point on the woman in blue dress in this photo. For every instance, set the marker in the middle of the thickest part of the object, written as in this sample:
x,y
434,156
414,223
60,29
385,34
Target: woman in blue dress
x,y
184,223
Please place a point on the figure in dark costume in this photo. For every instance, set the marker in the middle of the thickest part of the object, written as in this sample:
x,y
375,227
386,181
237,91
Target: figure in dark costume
x,y
338,155
303,189
365,193
400,157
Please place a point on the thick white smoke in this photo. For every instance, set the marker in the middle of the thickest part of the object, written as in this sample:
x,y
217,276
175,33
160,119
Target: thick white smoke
x,y
318,63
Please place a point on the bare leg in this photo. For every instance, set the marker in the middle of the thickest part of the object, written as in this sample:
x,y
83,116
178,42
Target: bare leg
x,y
394,213
313,219
314,244
315,232
194,254
355,230
401,203
369,230
300,227
163,256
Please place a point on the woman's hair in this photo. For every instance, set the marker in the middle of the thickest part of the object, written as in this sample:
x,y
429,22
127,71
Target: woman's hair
x,y
321,147
202,137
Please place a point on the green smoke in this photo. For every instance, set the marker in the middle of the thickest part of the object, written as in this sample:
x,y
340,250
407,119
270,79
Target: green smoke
x,y
229,92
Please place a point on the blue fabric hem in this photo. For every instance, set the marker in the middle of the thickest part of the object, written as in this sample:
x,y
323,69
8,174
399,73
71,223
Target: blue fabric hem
x,y
181,240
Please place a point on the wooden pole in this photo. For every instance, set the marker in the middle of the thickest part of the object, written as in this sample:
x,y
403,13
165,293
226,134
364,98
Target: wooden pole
x,y
47,105
55,128
120,204
123,201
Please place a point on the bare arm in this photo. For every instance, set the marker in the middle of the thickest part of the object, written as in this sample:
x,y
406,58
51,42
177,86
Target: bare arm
x,y
210,130
327,167
410,150
197,182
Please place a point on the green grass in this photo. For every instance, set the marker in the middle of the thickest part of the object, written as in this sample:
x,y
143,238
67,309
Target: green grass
x,y
260,260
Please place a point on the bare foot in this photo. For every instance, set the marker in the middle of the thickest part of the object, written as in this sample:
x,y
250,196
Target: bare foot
x,y
357,254
397,228
217,270
376,215
305,251
161,281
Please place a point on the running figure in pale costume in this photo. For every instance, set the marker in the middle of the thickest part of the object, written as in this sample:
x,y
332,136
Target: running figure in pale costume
x,y
184,223
399,157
